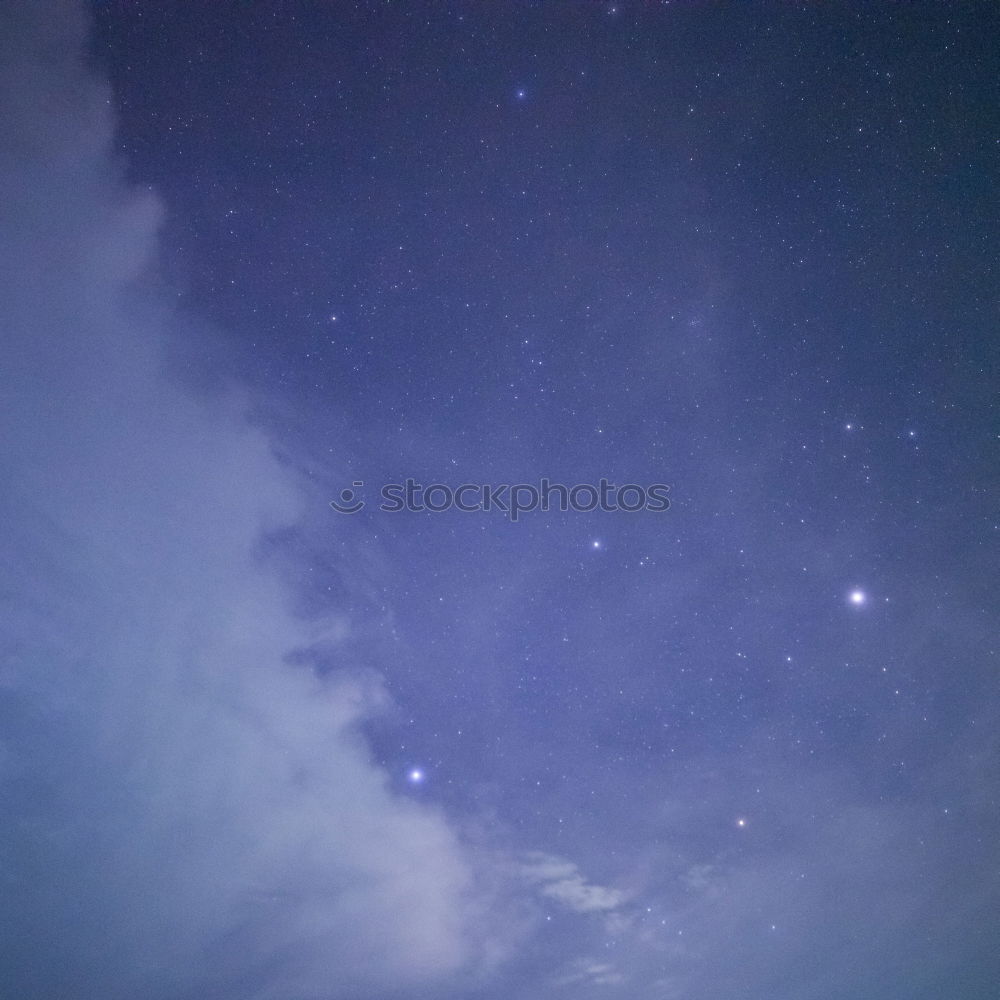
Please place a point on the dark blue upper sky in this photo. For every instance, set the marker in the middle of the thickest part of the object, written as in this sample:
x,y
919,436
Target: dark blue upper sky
x,y
742,747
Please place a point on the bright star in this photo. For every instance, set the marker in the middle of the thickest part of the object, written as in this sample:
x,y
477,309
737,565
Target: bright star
x,y
596,543
741,822
857,597
415,777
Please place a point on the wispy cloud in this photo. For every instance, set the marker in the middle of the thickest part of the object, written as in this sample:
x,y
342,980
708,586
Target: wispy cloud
x,y
562,881
590,971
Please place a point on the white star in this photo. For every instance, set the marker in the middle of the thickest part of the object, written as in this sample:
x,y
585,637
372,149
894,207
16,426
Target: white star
x,y
415,777
857,597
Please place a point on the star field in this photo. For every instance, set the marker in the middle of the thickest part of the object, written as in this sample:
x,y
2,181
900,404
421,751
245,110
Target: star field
x,y
743,746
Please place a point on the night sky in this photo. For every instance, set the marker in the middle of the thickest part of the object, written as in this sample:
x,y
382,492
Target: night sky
x,y
254,254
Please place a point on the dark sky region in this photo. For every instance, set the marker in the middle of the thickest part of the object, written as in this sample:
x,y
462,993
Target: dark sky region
x,y
253,254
